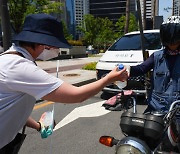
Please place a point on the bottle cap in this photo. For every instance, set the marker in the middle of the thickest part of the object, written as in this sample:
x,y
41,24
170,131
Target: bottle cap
x,y
120,66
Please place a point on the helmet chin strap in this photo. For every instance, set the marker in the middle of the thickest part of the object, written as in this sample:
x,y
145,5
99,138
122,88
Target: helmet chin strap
x,y
172,52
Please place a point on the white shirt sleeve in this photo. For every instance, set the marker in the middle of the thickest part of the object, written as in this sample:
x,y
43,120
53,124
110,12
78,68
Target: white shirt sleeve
x,y
27,78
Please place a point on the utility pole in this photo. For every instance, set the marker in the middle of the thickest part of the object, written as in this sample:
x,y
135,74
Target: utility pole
x,y
141,29
5,24
144,52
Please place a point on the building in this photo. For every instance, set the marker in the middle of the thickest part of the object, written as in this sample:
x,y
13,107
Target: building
x,y
76,10
151,11
111,9
176,8
81,9
116,8
63,15
64,12
152,8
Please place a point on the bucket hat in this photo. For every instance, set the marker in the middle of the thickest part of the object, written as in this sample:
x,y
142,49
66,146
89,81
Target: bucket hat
x,y
43,29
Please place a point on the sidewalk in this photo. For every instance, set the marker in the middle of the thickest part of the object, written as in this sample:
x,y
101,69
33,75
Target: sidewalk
x,y
70,70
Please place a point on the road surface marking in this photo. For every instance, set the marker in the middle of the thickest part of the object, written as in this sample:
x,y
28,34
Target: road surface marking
x,y
91,110
42,105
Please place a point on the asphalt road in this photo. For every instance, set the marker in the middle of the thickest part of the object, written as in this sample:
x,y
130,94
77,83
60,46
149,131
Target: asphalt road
x,y
81,126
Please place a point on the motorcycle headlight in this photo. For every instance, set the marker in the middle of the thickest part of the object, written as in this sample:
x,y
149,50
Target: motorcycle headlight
x,y
128,149
131,145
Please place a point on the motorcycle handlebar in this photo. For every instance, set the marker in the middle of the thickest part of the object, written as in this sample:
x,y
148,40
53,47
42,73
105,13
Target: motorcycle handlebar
x,y
175,106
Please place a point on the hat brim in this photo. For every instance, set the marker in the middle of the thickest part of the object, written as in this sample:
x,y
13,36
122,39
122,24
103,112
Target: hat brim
x,y
29,36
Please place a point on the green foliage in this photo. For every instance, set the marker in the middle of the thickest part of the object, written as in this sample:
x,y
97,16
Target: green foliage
x,y
97,31
52,8
90,66
66,33
94,55
101,32
120,24
133,25
105,35
90,28
75,42
19,9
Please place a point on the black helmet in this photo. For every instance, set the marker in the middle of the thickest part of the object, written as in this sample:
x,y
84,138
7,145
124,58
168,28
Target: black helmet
x,y
170,31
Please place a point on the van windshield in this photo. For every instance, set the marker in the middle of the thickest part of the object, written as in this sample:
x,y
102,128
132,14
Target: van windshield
x,y
133,42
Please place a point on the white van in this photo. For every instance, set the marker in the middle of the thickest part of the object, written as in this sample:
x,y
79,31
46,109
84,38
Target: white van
x,y
127,51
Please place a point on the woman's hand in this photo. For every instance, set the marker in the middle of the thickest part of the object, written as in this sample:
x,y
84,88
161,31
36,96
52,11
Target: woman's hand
x,y
117,75
46,130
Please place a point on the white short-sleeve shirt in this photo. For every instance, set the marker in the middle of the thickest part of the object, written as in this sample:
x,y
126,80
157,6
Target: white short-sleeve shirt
x,y
21,84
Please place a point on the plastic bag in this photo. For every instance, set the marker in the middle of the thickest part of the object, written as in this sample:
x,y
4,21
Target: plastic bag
x,y
47,124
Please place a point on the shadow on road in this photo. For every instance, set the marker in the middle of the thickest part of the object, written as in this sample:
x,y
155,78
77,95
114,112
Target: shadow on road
x,y
141,100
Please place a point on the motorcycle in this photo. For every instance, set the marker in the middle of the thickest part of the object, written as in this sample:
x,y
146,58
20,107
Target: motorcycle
x,y
146,133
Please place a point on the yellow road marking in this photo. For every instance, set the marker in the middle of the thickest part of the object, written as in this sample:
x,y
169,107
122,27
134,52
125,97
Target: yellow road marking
x,y
37,106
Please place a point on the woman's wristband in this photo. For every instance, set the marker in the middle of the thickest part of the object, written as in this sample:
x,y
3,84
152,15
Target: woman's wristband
x,y
39,126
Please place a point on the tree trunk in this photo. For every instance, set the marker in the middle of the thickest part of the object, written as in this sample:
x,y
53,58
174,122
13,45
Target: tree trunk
x,y
5,23
154,13
127,16
144,14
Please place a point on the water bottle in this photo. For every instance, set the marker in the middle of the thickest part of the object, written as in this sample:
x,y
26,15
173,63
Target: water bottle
x,y
121,84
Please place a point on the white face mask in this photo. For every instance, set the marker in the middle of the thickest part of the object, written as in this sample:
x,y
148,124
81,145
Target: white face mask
x,y
48,54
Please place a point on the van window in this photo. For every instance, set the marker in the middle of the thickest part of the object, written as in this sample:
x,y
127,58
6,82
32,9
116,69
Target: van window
x,y
133,42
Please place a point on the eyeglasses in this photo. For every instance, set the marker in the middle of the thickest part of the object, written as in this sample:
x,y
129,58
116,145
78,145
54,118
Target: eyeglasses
x,y
49,47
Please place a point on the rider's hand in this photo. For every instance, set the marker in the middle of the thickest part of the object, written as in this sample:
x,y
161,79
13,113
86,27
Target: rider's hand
x,y
116,75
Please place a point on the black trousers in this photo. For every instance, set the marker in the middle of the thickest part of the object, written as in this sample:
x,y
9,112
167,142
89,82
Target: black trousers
x,y
14,146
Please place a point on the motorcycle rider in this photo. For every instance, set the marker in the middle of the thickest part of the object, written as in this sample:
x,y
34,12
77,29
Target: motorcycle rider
x,y
165,63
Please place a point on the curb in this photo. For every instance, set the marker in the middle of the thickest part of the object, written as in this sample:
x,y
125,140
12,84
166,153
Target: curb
x,y
84,82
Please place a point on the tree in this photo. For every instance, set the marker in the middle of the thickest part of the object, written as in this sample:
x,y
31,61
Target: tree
x,y
106,34
67,35
97,31
127,16
120,24
5,25
19,9
144,14
90,28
